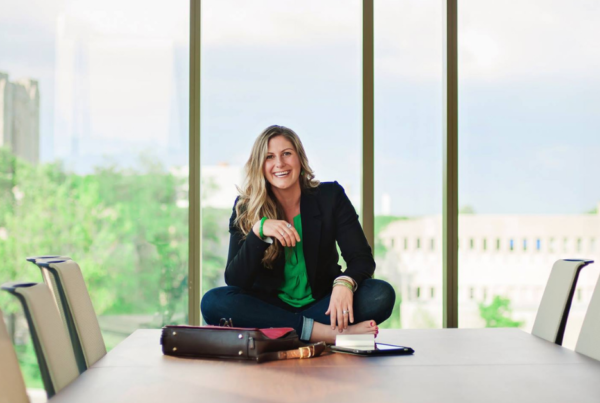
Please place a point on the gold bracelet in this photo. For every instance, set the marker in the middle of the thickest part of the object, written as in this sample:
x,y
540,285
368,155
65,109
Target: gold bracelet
x,y
340,280
350,280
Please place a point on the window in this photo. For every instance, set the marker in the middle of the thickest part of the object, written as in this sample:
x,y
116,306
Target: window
x,y
408,141
525,84
113,82
273,62
104,89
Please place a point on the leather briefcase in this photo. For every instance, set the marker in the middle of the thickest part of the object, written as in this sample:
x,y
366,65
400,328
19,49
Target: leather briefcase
x,y
236,343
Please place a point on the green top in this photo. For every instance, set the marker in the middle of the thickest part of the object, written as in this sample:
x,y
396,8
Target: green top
x,y
295,290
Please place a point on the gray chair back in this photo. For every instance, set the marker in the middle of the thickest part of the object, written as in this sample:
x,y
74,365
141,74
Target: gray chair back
x,y
12,386
76,305
588,342
50,340
552,315
49,280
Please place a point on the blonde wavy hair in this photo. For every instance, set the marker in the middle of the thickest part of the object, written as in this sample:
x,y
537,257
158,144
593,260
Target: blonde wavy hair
x,y
256,197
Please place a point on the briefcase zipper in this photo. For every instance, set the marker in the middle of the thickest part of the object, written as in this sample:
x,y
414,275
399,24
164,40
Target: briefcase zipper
x,y
251,343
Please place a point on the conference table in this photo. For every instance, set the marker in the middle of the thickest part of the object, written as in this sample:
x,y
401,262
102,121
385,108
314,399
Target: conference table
x,y
449,365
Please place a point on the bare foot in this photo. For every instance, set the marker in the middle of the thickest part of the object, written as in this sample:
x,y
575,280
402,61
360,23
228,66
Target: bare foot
x,y
325,333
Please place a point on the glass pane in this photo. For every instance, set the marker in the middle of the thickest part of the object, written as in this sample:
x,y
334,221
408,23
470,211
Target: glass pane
x,y
408,151
94,135
528,156
273,62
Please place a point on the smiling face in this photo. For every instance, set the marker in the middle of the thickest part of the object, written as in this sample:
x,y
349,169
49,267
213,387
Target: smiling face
x,y
282,165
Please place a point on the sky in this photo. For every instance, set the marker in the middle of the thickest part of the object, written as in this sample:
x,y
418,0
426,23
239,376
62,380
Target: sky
x,y
114,76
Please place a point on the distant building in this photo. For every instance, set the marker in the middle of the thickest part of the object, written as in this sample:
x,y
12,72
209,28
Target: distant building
x,y
218,185
505,255
121,90
20,117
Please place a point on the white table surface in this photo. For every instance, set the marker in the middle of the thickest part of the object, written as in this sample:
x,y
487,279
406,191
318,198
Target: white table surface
x,y
449,365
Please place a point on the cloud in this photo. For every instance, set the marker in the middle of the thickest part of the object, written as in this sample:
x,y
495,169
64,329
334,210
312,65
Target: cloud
x,y
560,158
538,38
497,41
275,23
148,19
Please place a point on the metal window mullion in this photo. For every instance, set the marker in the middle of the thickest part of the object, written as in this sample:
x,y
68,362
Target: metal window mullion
x,y
450,174
195,234
368,129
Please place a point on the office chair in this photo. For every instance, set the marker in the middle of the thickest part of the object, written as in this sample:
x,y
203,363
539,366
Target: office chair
x,y
11,381
50,340
588,342
78,312
552,315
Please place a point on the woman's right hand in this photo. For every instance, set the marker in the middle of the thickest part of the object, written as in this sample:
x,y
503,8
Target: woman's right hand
x,y
278,229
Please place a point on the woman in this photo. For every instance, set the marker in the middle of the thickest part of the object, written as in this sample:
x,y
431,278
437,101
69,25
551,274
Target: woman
x,y
282,269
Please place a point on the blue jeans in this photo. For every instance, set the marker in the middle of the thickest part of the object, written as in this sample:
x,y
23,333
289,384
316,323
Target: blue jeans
x,y
374,300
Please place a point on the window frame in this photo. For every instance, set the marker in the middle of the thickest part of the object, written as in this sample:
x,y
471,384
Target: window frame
x,y
450,156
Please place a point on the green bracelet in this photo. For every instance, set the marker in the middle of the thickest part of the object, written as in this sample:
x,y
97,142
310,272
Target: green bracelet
x,y
344,283
262,222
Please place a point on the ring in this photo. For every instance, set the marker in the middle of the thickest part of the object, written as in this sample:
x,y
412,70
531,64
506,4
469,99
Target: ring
x,y
289,225
345,312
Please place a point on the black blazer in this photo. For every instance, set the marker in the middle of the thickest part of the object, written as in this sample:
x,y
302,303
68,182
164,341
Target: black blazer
x,y
327,217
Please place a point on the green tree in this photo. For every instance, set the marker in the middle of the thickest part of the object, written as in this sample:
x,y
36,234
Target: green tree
x,y
215,239
467,210
126,227
381,222
498,313
395,319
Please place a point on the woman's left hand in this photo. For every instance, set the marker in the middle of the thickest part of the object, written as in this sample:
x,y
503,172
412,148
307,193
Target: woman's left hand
x,y
340,302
